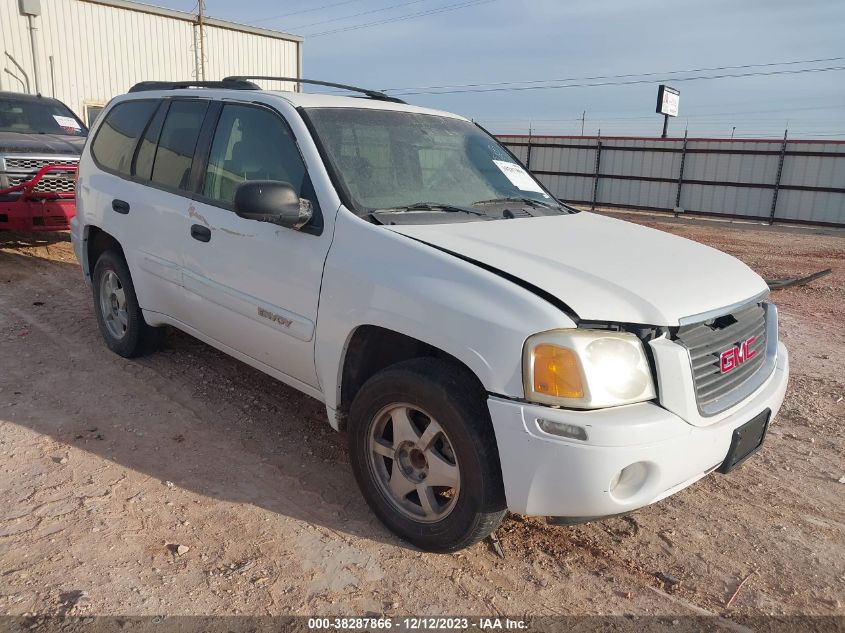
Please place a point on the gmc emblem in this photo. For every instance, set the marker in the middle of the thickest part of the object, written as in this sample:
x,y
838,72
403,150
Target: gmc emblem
x,y
734,357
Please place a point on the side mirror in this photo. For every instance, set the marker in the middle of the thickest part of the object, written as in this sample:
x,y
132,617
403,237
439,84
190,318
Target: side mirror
x,y
272,201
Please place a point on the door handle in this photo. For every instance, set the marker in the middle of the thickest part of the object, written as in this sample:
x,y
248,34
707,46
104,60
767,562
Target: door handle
x,y
200,232
120,206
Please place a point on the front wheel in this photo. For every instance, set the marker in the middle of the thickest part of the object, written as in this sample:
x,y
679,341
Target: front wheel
x,y
424,455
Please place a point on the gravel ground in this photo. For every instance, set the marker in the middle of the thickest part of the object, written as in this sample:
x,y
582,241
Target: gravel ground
x,y
189,483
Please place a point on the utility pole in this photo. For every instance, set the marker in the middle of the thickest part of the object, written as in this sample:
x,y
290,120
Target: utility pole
x,y
32,10
583,118
33,40
733,129
200,19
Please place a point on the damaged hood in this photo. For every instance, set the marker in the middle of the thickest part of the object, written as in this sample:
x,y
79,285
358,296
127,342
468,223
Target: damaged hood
x,y
602,268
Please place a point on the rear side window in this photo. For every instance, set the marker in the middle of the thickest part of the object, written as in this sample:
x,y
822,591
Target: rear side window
x,y
114,145
176,145
147,148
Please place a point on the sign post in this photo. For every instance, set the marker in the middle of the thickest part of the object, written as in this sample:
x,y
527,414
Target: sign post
x,y
668,100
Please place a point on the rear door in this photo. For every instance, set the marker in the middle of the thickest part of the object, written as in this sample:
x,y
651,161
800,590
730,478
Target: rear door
x,y
163,164
144,149
254,286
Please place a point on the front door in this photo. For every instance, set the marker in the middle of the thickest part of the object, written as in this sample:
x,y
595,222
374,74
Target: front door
x,y
254,286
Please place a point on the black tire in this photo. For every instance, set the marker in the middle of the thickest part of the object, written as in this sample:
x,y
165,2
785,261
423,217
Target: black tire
x,y
458,404
139,338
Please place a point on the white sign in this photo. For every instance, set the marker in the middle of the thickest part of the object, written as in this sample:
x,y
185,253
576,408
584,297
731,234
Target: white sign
x,y
668,100
67,122
518,177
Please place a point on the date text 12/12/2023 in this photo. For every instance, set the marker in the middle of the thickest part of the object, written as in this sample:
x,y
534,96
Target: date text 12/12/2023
x,y
418,623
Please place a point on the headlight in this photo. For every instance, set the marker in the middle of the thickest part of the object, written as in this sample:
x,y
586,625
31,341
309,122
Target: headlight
x,y
586,369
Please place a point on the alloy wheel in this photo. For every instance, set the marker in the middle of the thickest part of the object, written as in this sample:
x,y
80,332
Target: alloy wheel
x,y
113,305
414,463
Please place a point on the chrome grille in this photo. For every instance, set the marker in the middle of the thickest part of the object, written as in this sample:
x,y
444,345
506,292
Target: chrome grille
x,y
34,164
55,184
716,391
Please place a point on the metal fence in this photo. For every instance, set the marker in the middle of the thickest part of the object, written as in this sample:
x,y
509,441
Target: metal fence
x,y
800,181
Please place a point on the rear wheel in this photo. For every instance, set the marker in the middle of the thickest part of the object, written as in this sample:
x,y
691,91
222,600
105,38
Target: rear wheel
x,y
424,454
118,313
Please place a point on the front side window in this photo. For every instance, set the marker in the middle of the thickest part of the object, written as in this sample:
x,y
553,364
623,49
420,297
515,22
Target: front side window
x,y
175,153
251,143
31,116
114,145
389,160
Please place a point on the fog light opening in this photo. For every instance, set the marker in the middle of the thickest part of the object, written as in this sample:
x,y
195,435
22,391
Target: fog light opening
x,y
563,429
629,481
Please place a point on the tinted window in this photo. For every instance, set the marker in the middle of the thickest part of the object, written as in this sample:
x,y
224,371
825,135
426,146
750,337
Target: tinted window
x,y
42,116
179,134
117,137
147,148
251,144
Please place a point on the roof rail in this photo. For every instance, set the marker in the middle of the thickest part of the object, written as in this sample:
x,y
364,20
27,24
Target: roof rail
x,y
372,94
231,84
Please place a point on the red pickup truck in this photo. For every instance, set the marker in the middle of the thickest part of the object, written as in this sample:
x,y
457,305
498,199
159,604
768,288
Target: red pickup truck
x,y
40,143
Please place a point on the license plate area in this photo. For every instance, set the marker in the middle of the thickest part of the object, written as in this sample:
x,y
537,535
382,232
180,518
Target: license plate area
x,y
746,441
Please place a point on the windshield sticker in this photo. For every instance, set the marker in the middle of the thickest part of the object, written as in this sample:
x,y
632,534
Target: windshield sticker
x,y
519,178
67,123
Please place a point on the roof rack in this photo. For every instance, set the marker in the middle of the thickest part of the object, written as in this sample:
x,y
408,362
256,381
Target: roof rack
x,y
372,94
229,83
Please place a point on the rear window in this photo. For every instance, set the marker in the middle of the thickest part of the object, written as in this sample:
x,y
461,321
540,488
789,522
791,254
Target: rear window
x,y
114,145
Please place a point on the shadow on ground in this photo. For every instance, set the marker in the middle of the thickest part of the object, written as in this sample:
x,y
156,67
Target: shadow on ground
x,y
188,414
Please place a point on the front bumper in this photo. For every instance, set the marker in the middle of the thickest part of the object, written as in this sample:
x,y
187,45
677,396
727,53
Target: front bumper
x,y
549,475
19,214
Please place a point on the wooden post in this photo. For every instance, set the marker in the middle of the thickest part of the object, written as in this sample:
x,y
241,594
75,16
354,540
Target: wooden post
x,y
777,179
681,175
596,173
200,21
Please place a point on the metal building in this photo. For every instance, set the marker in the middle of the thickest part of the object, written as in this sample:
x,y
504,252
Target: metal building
x,y
84,52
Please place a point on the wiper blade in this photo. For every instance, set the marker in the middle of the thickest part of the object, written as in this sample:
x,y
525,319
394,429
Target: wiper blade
x,y
529,201
436,206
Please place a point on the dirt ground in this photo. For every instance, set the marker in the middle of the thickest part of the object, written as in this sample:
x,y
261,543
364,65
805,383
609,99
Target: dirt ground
x,y
108,467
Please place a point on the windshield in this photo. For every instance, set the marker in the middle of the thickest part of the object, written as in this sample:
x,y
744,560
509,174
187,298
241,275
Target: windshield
x,y
28,116
394,160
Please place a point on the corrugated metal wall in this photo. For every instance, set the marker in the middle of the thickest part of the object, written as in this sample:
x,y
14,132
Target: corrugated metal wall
x,y
229,52
100,50
737,178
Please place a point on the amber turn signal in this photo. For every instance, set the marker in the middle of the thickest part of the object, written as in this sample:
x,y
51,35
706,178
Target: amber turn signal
x,y
557,372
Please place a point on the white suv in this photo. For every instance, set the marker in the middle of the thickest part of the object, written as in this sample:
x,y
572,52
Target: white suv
x,y
485,346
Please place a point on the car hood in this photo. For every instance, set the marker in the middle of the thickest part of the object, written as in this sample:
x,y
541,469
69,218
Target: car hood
x,y
15,142
602,268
